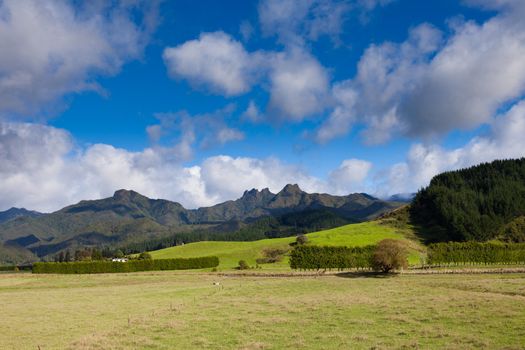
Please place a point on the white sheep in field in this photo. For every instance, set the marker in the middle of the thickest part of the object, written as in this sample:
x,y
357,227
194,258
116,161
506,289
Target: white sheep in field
x,y
216,284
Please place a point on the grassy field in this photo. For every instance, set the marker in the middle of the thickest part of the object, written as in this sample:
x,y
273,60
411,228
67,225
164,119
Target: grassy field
x,y
168,310
230,253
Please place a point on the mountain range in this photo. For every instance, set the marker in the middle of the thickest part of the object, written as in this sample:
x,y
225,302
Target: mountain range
x,y
129,217
14,213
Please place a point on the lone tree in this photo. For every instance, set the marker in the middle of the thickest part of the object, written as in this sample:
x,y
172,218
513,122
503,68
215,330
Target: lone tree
x,y
301,239
243,265
119,254
390,254
145,256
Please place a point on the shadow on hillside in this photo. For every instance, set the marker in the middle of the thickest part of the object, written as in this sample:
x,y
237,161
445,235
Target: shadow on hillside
x,y
365,274
407,221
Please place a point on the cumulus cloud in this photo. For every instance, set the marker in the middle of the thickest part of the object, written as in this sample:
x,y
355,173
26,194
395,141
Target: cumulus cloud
x,y
384,74
215,61
350,176
248,173
297,82
299,85
505,140
52,48
427,86
297,21
43,169
189,131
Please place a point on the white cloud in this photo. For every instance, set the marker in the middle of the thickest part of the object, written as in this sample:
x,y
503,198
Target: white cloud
x,y
426,87
42,169
216,61
299,85
297,21
50,49
505,140
252,113
350,176
217,173
342,116
189,131
384,75
284,18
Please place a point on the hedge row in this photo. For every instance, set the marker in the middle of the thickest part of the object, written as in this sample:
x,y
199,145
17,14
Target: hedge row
x,y
130,266
15,268
306,257
475,253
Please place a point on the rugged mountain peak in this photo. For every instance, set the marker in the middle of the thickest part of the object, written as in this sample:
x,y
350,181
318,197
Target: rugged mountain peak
x,y
127,195
251,193
291,189
266,191
255,194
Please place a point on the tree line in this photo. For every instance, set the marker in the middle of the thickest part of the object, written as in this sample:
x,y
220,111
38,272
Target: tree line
x,y
309,257
387,255
88,267
460,253
474,204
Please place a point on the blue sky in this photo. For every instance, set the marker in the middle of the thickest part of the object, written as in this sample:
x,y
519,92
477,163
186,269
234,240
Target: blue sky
x,y
198,101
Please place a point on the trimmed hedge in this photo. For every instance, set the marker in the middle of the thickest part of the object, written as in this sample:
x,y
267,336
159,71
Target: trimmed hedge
x,y
15,267
85,267
460,253
307,257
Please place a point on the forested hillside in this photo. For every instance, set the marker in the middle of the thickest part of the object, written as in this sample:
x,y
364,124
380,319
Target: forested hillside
x,y
480,203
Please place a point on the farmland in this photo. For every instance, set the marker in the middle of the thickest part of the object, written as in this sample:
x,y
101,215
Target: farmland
x,y
230,253
166,310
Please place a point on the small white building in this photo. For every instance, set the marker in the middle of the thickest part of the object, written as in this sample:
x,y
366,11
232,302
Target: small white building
x,y
120,259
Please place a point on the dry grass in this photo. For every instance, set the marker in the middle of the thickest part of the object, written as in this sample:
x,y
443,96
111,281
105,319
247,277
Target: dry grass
x,y
167,310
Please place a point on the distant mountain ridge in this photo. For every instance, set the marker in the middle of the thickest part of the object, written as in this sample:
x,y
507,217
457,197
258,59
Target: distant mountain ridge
x,y
129,217
14,213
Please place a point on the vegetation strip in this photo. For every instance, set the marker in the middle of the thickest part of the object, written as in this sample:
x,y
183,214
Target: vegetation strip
x,y
130,266
475,253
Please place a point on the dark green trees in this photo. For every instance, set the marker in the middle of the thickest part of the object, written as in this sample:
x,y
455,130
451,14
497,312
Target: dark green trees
x,y
307,257
472,204
243,265
301,239
83,267
145,256
461,253
514,231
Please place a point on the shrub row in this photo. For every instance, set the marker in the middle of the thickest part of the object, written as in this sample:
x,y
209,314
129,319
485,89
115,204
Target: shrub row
x,y
475,252
306,257
15,268
130,266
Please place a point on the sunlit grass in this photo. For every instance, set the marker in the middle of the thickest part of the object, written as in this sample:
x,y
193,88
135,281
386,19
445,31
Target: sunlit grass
x,y
230,253
175,310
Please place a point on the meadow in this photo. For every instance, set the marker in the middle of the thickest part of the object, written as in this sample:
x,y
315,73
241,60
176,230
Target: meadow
x,y
169,310
353,235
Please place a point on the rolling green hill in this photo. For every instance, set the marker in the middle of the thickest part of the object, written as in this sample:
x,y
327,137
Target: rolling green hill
x,y
230,253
